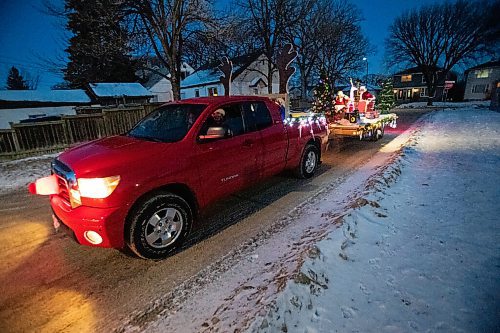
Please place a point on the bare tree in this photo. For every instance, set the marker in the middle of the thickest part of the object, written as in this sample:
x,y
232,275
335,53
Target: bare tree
x,y
345,45
221,38
329,37
308,39
437,37
268,21
167,25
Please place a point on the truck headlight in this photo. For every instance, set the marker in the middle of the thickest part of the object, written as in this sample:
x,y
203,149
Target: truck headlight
x,y
97,188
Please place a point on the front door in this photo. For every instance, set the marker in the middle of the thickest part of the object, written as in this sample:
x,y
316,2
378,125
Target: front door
x,y
229,163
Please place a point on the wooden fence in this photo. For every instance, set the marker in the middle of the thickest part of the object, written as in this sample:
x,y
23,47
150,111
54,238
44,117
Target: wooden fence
x,y
28,138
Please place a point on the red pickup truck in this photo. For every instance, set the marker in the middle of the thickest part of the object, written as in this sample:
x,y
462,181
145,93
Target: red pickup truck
x,y
143,189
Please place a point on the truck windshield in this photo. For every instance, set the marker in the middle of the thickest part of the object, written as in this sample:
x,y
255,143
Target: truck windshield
x,y
169,123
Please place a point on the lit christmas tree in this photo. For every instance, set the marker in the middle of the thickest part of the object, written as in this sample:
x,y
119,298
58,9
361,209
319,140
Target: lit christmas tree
x,y
385,101
323,95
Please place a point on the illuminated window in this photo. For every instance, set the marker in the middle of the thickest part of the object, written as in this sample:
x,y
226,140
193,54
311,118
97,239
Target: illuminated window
x,y
482,73
406,78
212,91
408,93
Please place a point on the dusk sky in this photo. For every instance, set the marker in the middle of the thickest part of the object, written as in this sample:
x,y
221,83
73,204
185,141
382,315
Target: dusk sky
x,y
27,35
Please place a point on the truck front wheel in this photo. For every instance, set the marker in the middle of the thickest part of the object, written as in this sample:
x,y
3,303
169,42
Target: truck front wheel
x,y
308,162
159,225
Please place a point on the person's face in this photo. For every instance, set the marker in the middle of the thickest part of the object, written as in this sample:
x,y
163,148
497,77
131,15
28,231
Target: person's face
x,y
217,116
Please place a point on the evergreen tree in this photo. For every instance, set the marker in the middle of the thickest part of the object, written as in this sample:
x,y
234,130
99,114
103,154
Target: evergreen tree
x,y
385,101
323,95
98,51
15,81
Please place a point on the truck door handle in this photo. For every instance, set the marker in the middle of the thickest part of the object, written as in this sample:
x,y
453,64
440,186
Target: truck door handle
x,y
248,143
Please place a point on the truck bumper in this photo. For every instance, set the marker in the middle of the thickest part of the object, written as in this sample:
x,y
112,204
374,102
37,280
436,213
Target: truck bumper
x,y
100,227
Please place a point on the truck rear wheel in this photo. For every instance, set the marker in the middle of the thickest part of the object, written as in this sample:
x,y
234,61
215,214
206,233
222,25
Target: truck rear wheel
x,y
159,225
308,162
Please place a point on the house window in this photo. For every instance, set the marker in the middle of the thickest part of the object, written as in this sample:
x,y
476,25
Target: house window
x,y
197,93
408,93
255,91
406,78
212,91
400,94
482,73
478,88
423,92
423,79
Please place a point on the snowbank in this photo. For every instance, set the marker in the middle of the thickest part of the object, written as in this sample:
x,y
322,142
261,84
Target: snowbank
x,y
17,174
421,255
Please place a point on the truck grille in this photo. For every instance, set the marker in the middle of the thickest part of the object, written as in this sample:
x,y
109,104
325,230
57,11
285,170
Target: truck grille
x,y
63,188
65,178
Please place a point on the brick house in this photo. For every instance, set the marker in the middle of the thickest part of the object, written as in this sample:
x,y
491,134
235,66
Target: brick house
x,y
480,80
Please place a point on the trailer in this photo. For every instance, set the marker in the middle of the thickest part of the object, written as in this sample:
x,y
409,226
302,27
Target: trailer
x,y
363,128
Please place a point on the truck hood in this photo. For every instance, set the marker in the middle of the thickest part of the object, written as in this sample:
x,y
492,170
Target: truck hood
x,y
111,155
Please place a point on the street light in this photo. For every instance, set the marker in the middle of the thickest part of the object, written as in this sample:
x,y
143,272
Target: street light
x,y
366,77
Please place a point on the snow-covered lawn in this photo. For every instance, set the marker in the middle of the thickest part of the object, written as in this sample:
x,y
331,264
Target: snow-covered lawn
x,y
412,246
423,254
19,173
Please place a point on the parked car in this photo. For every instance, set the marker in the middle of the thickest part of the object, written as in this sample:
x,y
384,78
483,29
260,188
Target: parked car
x,y
144,189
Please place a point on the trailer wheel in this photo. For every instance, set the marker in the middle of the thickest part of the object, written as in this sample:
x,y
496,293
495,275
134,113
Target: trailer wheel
x,y
377,133
308,162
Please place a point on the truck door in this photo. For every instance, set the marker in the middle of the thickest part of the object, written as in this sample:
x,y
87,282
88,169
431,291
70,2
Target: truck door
x,y
227,164
270,133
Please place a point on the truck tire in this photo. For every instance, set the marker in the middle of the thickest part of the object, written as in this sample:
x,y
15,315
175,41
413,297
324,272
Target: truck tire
x,y
159,225
308,162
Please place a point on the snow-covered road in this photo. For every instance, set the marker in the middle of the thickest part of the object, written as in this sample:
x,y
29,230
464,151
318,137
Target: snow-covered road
x,y
418,250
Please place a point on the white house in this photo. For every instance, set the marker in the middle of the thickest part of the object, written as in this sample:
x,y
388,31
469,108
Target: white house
x,y
481,79
247,78
160,87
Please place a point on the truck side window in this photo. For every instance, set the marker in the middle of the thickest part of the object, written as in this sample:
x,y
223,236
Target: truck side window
x,y
257,116
231,120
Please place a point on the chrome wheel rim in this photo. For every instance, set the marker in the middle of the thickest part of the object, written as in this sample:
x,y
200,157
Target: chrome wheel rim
x,y
163,227
310,161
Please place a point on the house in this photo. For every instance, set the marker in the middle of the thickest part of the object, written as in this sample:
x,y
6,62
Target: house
x,y
247,78
480,80
410,86
107,94
161,87
17,105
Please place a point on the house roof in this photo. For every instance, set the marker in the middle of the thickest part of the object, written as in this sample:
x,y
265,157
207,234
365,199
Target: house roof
x,y
210,73
45,96
156,76
493,63
119,90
